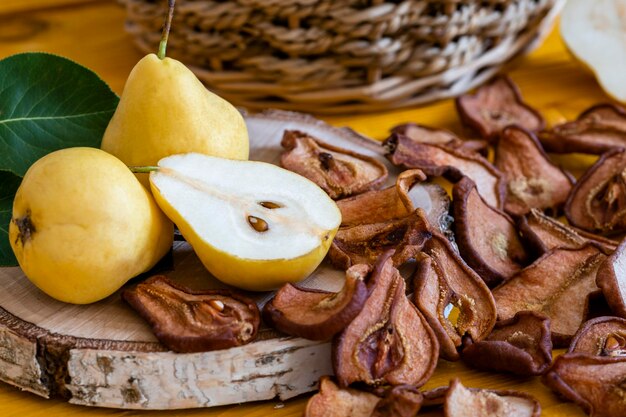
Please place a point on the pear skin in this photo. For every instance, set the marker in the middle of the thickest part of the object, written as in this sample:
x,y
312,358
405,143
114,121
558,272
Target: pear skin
x,y
165,110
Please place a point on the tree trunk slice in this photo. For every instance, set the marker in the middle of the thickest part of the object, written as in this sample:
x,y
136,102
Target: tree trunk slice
x,y
105,355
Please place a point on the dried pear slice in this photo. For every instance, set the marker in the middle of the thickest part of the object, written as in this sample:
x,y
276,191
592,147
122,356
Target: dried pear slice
x,y
453,164
532,181
316,314
399,401
558,285
470,402
337,171
598,201
452,297
332,401
596,383
389,342
186,320
487,237
602,336
597,130
495,106
380,206
363,244
543,233
612,280
408,194
426,134
520,345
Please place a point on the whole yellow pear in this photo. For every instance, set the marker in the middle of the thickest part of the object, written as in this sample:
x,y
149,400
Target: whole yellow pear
x,y
165,110
83,225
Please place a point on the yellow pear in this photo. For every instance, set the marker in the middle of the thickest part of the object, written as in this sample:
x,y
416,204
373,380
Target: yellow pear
x,y
165,110
253,225
83,225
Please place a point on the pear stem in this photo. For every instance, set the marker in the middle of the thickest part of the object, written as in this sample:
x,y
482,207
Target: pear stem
x,y
166,29
143,170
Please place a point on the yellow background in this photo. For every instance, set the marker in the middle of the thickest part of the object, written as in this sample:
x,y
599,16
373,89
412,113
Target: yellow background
x,y
91,32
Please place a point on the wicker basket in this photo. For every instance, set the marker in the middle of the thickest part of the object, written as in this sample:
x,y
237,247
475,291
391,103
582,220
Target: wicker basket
x,y
343,56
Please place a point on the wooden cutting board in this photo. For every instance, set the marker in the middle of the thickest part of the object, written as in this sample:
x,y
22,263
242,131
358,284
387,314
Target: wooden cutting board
x,y
104,355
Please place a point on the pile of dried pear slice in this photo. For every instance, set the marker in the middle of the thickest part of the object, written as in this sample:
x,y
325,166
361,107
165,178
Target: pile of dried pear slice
x,y
485,272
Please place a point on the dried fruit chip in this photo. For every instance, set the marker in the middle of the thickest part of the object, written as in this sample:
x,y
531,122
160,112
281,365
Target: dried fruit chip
x,y
520,345
597,130
395,202
495,106
558,285
365,243
380,206
452,297
316,314
471,402
532,181
598,201
453,164
337,171
612,280
399,401
595,383
602,336
487,238
543,233
389,342
424,134
186,320
332,401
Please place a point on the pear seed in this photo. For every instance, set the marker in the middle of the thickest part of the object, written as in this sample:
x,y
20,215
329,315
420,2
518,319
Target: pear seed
x,y
270,205
611,343
217,304
258,224
325,158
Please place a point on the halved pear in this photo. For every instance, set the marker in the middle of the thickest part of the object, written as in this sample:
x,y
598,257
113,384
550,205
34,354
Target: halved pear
x,y
253,225
595,33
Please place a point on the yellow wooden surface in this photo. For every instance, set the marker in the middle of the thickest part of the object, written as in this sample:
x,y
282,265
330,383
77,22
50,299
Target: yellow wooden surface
x,y
91,32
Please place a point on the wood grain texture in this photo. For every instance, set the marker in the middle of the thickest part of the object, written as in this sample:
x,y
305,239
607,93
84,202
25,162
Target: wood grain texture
x,y
93,35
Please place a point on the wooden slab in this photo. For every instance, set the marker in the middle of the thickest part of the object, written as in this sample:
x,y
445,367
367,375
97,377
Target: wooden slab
x,y
104,355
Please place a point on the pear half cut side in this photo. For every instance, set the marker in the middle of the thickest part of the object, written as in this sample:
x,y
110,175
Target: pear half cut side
x,y
252,224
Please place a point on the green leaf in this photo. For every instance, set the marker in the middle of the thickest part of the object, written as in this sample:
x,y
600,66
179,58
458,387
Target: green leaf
x,y
8,186
48,102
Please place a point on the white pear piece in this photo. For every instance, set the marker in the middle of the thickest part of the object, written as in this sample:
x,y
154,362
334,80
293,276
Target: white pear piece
x,y
595,32
253,225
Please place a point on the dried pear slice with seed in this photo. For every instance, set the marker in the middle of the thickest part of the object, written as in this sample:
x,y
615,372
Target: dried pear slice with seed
x,y
597,203
186,320
602,336
452,297
389,342
425,134
520,345
363,244
317,314
532,181
612,280
337,171
487,237
332,401
558,285
495,106
470,402
542,233
596,383
597,130
396,202
453,164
